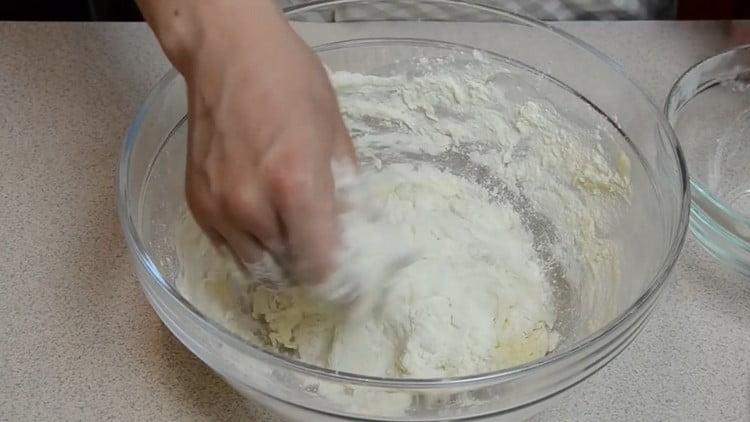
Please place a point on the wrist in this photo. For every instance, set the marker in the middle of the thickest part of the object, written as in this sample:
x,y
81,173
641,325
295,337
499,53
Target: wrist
x,y
187,29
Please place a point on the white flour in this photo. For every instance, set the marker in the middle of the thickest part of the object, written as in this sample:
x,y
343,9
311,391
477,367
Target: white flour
x,y
475,296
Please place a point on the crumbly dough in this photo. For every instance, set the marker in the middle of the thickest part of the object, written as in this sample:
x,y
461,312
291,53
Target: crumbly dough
x,y
475,298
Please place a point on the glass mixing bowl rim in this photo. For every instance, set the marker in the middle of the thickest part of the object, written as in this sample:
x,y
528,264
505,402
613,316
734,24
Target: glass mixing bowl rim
x,y
673,110
506,374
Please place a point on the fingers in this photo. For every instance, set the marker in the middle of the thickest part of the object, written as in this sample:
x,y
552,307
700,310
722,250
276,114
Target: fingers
x,y
236,222
343,148
249,210
304,197
312,239
245,248
232,215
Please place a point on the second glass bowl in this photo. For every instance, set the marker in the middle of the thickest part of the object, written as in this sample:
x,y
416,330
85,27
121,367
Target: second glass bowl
x,y
709,108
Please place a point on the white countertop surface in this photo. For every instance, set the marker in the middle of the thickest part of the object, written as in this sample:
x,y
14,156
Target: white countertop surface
x,y
78,341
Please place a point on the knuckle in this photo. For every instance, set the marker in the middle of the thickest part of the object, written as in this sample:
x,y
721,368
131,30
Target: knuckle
x,y
235,201
289,185
238,200
286,173
226,198
199,202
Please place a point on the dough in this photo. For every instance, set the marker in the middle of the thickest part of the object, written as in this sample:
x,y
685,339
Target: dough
x,y
474,300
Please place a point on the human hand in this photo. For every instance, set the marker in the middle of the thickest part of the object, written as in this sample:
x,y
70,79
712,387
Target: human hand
x,y
264,126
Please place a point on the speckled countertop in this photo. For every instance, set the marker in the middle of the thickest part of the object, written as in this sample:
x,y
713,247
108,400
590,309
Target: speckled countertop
x,y
78,341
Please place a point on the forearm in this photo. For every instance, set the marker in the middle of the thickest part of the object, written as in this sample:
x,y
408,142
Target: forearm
x,y
184,28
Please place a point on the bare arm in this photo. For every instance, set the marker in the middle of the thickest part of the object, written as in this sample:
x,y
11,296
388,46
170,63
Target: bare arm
x,y
264,126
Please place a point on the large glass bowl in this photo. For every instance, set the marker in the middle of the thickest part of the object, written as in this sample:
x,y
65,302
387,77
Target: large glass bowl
x,y
572,75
